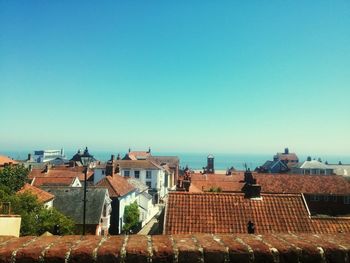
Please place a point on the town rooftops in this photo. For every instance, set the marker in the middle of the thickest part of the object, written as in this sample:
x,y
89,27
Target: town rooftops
x,y
42,195
69,201
138,184
137,155
230,213
116,185
61,171
313,164
4,160
138,164
53,181
275,183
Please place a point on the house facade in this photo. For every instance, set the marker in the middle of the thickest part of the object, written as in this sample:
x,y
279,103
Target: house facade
x,y
122,194
69,201
312,167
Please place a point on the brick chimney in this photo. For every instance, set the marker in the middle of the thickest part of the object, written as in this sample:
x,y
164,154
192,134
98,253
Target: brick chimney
x,y
110,166
286,151
29,157
46,170
250,189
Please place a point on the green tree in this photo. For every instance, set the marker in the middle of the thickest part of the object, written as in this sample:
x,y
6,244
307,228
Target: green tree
x,y
13,177
36,219
131,216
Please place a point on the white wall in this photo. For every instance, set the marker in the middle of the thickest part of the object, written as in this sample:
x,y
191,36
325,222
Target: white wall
x,y
157,181
99,173
124,201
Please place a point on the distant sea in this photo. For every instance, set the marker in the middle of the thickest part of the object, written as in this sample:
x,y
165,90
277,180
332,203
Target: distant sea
x,y
197,161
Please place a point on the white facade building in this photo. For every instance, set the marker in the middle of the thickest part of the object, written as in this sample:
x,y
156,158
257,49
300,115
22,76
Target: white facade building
x,y
44,156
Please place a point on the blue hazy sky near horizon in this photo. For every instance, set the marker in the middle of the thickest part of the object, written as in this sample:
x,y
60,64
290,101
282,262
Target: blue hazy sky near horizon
x,y
189,76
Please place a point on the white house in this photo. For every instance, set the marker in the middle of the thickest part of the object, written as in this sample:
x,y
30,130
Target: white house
x,y
155,176
312,167
122,194
145,201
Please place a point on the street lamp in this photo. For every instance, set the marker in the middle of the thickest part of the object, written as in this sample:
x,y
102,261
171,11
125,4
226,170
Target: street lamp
x,y
86,159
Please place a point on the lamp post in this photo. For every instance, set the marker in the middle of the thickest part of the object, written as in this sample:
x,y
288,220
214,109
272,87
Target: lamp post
x,y
86,159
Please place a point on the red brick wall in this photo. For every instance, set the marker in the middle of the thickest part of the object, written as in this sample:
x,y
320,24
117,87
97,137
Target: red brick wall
x,y
178,248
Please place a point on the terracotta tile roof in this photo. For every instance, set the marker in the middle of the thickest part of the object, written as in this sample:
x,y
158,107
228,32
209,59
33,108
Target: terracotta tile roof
x,y
276,183
330,225
230,213
61,171
136,155
116,185
6,160
42,195
139,164
53,181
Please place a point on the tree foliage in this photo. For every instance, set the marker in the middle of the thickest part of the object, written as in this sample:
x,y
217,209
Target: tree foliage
x,y
131,216
36,219
13,177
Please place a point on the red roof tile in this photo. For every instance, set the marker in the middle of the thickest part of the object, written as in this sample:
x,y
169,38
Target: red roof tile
x,y
116,185
229,213
42,195
61,171
6,160
53,181
276,183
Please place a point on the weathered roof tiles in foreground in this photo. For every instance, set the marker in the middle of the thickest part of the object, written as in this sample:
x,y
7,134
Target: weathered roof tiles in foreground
x,y
229,213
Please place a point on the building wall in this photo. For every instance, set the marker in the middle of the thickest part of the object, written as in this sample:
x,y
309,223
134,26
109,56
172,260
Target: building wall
x,y
10,225
157,181
123,202
99,173
333,205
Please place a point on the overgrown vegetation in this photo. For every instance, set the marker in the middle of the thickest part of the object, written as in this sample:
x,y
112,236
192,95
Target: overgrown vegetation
x,y
131,216
215,189
36,219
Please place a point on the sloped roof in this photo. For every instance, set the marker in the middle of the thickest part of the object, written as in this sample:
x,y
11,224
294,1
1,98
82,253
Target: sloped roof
x,y
117,185
230,213
6,160
330,225
69,201
287,156
61,171
276,183
137,155
53,181
139,164
313,164
42,195
138,184
170,160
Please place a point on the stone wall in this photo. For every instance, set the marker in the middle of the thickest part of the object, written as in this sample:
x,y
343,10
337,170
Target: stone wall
x,y
178,248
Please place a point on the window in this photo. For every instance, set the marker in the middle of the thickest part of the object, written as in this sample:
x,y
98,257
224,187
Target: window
x,y
315,198
149,184
126,173
326,198
148,174
335,199
103,172
137,174
346,200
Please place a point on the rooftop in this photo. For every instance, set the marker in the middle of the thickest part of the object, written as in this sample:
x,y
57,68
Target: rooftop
x,y
6,160
116,185
53,181
42,195
229,213
275,183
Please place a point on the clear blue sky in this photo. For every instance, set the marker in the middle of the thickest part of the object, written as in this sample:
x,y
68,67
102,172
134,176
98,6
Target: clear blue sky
x,y
223,76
